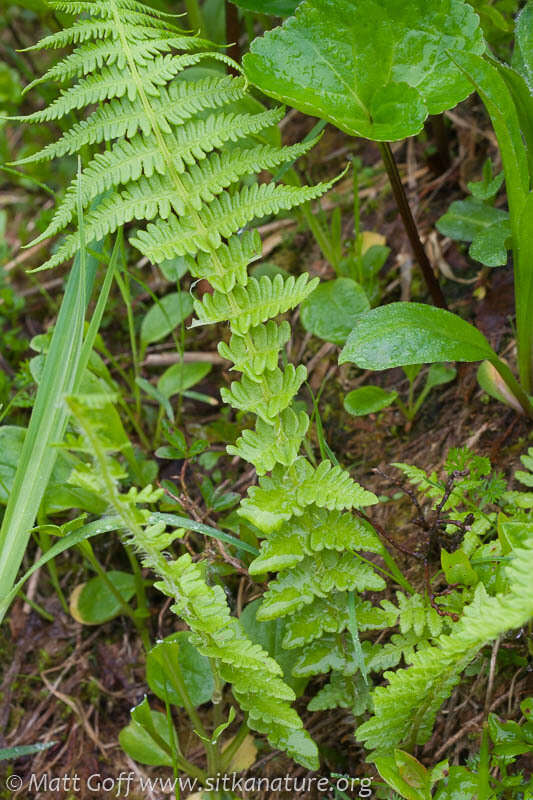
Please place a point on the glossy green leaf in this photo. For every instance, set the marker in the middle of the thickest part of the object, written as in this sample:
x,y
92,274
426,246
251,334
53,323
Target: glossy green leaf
x,y
368,400
488,229
408,333
94,602
180,377
411,333
331,310
146,738
175,657
491,245
165,316
405,775
373,69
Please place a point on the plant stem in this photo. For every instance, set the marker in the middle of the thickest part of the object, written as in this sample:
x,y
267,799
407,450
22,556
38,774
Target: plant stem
x,y
140,624
410,225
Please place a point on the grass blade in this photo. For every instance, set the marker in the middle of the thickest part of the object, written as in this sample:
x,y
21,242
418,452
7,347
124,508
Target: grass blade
x,y
64,365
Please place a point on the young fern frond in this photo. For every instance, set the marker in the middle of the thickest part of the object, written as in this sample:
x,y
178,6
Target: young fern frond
x,y
256,679
405,710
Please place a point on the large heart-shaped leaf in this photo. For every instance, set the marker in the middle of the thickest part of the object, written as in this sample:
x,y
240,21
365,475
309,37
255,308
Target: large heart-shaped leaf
x,y
413,333
373,69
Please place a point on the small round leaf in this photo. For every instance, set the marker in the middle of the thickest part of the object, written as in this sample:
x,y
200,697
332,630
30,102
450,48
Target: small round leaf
x,y
93,603
368,400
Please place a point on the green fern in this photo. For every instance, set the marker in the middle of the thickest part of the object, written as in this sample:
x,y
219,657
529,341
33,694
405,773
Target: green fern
x,y
405,709
164,127
176,150
255,677
179,156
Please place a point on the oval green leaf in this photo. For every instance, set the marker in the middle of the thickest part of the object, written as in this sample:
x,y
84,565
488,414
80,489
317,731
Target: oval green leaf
x,y
146,739
173,656
373,69
180,377
93,603
164,316
368,400
331,310
413,333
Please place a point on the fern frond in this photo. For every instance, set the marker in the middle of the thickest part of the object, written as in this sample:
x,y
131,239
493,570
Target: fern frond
x,y
219,636
315,530
288,492
330,615
231,264
405,710
107,51
269,445
343,691
246,307
257,351
269,397
104,10
415,614
113,82
128,160
222,218
122,118
164,127
317,576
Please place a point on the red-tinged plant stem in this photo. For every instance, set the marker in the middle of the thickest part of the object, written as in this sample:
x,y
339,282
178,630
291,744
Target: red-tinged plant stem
x,y
410,225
